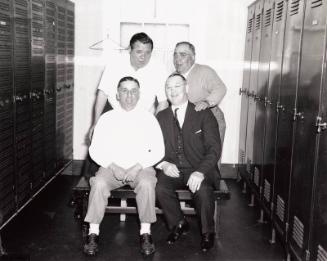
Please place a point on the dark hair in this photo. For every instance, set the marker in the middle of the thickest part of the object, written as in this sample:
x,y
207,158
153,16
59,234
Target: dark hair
x,y
126,79
141,37
177,74
191,46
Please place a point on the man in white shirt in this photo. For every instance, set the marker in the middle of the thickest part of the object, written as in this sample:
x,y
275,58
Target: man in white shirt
x,y
127,142
150,73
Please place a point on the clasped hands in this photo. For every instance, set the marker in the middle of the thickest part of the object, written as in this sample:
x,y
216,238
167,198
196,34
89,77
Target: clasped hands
x,y
194,181
125,175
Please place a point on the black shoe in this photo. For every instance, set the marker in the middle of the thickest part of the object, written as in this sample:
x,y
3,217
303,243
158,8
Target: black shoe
x,y
207,241
182,228
91,245
146,243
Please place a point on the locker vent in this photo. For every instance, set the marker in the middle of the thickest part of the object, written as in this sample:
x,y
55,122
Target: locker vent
x,y
268,17
280,210
250,23
295,4
267,191
316,3
242,156
256,176
298,230
322,254
258,22
279,11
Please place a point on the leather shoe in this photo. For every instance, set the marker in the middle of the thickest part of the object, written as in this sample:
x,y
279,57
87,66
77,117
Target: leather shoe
x,y
207,241
147,245
91,245
182,228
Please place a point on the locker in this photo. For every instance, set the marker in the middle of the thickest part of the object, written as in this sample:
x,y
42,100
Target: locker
x,y
261,93
251,96
245,89
306,140
286,123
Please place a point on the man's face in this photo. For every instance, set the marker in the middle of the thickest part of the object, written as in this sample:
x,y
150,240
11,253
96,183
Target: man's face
x,y
128,95
140,54
183,58
176,90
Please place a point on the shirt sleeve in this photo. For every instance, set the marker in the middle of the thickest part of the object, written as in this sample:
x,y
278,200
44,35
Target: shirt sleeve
x,y
155,148
215,86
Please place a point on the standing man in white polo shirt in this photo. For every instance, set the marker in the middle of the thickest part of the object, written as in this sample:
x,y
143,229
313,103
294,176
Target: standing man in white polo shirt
x,y
138,64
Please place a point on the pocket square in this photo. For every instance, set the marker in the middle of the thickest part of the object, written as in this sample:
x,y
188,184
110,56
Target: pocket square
x,y
199,131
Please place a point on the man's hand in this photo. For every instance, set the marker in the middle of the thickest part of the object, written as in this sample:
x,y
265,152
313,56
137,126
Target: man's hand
x,y
132,172
170,169
119,172
201,105
195,180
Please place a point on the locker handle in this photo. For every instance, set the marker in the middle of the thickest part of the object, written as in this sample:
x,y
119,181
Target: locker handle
x,y
67,86
321,126
280,107
58,89
241,91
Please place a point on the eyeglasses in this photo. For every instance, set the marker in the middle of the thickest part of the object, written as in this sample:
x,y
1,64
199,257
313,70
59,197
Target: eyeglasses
x,y
125,91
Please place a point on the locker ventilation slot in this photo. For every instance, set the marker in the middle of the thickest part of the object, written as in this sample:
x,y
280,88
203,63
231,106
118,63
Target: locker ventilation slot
x,y
295,7
279,11
268,17
250,23
256,176
298,230
267,191
258,22
316,3
242,156
322,254
280,210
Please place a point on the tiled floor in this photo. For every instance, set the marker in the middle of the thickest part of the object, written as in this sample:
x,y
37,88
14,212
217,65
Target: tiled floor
x,y
46,231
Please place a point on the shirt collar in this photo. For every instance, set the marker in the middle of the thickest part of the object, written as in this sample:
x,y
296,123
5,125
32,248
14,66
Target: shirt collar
x,y
181,107
187,73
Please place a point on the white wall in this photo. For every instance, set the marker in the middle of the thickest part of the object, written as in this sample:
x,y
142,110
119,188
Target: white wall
x,y
217,29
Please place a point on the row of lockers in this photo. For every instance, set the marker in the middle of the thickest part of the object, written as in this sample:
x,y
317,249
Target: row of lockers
x,y
283,142
36,96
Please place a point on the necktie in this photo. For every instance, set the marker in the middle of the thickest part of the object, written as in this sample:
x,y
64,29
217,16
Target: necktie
x,y
176,118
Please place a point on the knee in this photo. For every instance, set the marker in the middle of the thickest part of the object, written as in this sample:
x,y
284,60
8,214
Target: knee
x,y
98,183
147,184
204,193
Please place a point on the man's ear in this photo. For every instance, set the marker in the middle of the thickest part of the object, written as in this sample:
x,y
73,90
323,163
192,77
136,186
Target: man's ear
x,y
117,97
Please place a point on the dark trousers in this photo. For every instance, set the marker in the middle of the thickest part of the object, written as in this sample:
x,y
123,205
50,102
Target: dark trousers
x,y
169,203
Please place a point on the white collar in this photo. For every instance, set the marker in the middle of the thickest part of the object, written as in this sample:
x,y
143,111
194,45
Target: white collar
x,y
181,107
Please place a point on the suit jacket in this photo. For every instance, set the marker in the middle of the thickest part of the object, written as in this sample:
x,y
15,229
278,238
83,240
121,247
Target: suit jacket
x,y
202,146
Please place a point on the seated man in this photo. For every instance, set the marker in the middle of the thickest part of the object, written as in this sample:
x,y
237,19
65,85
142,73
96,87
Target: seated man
x,y
126,142
192,149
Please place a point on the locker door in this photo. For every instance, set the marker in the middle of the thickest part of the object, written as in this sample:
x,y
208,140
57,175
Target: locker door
x,y
261,93
245,89
286,124
69,86
313,49
37,91
60,81
7,157
50,89
252,90
270,103
23,130
318,229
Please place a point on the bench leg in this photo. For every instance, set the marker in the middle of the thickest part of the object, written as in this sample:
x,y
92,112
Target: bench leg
x,y
217,218
123,204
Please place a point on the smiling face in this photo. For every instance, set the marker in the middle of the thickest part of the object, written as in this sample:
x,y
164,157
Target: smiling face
x,y
128,94
140,54
176,90
184,58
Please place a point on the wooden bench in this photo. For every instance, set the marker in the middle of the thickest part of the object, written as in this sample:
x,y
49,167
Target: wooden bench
x,y
82,189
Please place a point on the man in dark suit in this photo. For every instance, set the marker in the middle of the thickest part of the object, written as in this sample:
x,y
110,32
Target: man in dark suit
x,y
192,149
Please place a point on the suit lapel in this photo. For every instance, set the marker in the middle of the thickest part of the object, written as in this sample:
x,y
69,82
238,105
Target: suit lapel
x,y
187,125
170,127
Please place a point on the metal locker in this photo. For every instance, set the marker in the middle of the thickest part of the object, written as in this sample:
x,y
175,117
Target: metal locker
x,y
245,89
50,89
270,103
7,157
287,105
306,138
22,108
69,83
254,182
261,93
60,81
37,91
318,221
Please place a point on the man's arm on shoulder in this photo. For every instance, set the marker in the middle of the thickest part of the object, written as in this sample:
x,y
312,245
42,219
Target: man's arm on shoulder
x,y
211,141
215,86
